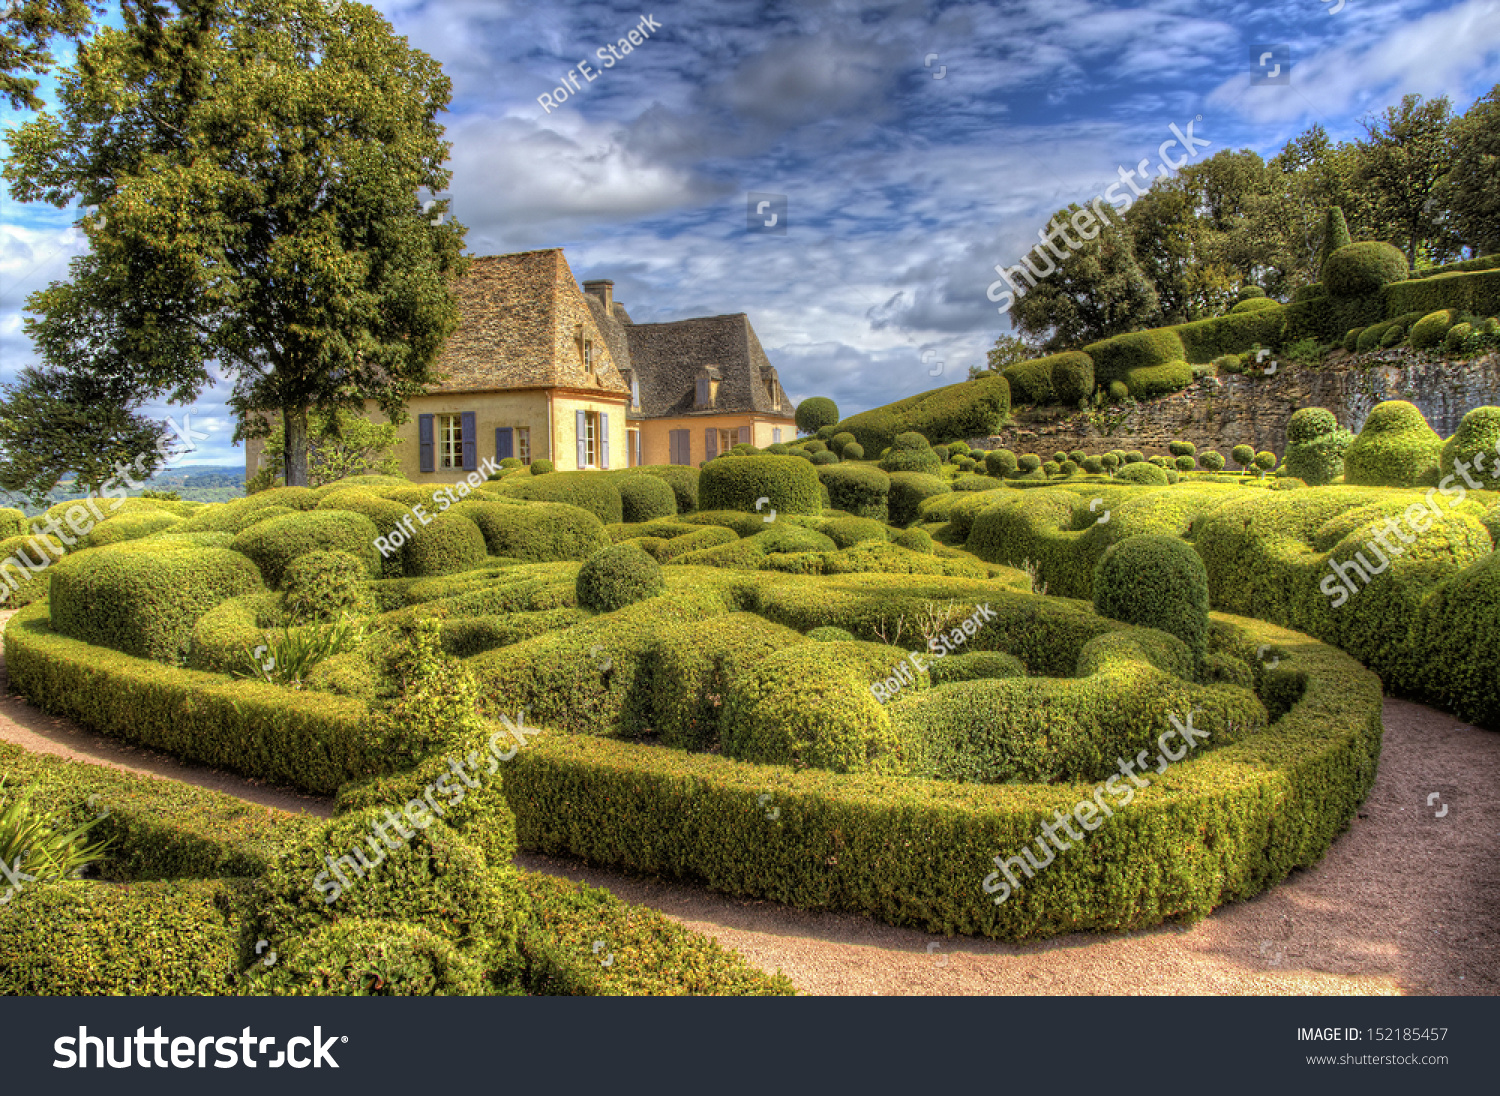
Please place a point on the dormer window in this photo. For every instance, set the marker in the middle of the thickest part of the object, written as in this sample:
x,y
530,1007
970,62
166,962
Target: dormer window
x,y
635,391
707,394
585,349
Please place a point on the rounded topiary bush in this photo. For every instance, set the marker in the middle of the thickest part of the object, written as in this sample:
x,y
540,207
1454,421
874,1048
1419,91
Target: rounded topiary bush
x,y
1094,466
1457,336
540,467
1249,292
847,532
853,451
360,958
537,532
911,441
114,530
911,458
1394,449
1051,468
828,456
1185,463
1429,331
1000,462
829,634
645,498
1028,462
814,413
1393,336
450,542
592,491
1253,304
618,576
1315,446
975,666
1119,391
1211,460
1243,455
826,433
782,539
1182,448
857,489
143,598
325,584
1147,475
790,485
1478,434
908,490
1157,581
274,544
1359,270
815,446
914,540
840,441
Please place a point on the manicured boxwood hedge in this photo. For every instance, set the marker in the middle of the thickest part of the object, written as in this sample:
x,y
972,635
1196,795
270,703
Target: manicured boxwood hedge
x,y
1394,448
275,543
790,485
143,600
1115,357
537,532
908,491
1476,292
969,409
857,489
644,953
1150,382
1205,340
303,739
1216,828
592,491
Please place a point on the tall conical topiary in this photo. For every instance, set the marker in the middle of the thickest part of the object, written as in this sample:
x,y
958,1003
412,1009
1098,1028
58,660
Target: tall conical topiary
x,y
1335,234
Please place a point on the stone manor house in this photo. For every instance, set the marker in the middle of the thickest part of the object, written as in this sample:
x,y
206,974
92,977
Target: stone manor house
x,y
539,369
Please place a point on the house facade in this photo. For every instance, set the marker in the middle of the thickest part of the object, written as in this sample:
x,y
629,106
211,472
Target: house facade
x,y
539,369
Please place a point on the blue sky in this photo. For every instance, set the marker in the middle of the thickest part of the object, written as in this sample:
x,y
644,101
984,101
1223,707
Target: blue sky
x,y
907,176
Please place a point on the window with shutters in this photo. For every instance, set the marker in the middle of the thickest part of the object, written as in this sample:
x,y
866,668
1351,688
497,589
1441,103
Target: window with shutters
x,y
450,441
591,438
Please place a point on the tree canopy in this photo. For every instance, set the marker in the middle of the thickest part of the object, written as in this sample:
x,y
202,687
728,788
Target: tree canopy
x,y
257,166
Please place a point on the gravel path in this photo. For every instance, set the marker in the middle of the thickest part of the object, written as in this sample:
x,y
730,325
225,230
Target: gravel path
x,y
1406,902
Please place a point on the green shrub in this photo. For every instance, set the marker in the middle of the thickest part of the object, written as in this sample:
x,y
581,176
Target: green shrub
x,y
77,939
825,457
592,491
321,585
814,413
1205,340
681,478
1155,581
1394,448
645,498
540,467
1116,357
908,459
1028,462
143,599
1362,269
1479,432
649,954
1244,455
1461,675
814,447
1394,334
1151,382
619,575
1000,462
854,451
1351,339
1315,446
1457,336
537,532
1148,475
275,543
1212,461
829,634
847,532
1474,292
975,666
908,490
1429,331
426,878
1185,464
790,485
450,542
1093,466
1119,391
964,410
1253,304
360,958
840,440
130,527
914,540
780,538
1181,448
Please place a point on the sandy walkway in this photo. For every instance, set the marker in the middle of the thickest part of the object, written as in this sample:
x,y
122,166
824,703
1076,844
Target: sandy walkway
x,y
1405,902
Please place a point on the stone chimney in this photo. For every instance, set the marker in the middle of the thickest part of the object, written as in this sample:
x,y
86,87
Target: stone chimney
x,y
605,291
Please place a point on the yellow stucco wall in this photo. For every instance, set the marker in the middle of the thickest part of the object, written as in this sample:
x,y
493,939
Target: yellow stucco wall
x,y
565,414
656,441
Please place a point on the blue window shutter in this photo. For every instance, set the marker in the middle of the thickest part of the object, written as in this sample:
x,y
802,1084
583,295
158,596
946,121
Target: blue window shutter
x,y
470,442
424,442
710,444
505,445
603,440
583,440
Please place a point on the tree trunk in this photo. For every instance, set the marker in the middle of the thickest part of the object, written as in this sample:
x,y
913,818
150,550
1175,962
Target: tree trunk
x,y
294,456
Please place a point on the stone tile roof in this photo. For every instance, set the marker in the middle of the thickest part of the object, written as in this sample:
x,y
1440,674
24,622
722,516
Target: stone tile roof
x,y
521,317
667,359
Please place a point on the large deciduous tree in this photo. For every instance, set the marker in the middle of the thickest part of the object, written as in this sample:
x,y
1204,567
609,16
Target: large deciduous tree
x,y
1403,162
1472,190
257,165
27,29
56,421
